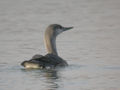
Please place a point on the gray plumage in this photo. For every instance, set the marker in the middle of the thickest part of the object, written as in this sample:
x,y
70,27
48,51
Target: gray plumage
x,y
51,59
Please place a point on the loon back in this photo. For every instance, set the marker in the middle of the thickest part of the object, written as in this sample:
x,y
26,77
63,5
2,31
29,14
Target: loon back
x,y
47,61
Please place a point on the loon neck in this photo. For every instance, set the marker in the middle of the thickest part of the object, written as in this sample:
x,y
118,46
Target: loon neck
x,y
50,42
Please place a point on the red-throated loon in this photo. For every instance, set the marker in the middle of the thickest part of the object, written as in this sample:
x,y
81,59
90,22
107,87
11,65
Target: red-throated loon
x,y
51,59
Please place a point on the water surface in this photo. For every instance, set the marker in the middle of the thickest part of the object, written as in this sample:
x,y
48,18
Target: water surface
x,y
92,48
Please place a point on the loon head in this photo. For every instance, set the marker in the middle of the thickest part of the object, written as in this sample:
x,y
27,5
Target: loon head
x,y
56,29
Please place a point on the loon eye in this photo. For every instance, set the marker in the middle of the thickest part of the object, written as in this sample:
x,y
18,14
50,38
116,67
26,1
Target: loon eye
x,y
59,27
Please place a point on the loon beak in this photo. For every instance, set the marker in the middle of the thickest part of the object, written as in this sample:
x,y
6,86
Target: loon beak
x,y
67,28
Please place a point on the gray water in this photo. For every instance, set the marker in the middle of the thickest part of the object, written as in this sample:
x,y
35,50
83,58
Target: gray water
x,y
92,48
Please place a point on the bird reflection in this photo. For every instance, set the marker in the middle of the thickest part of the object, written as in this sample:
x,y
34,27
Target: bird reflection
x,y
49,78
52,77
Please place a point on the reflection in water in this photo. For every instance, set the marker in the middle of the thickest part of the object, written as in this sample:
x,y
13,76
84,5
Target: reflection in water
x,y
48,77
51,76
